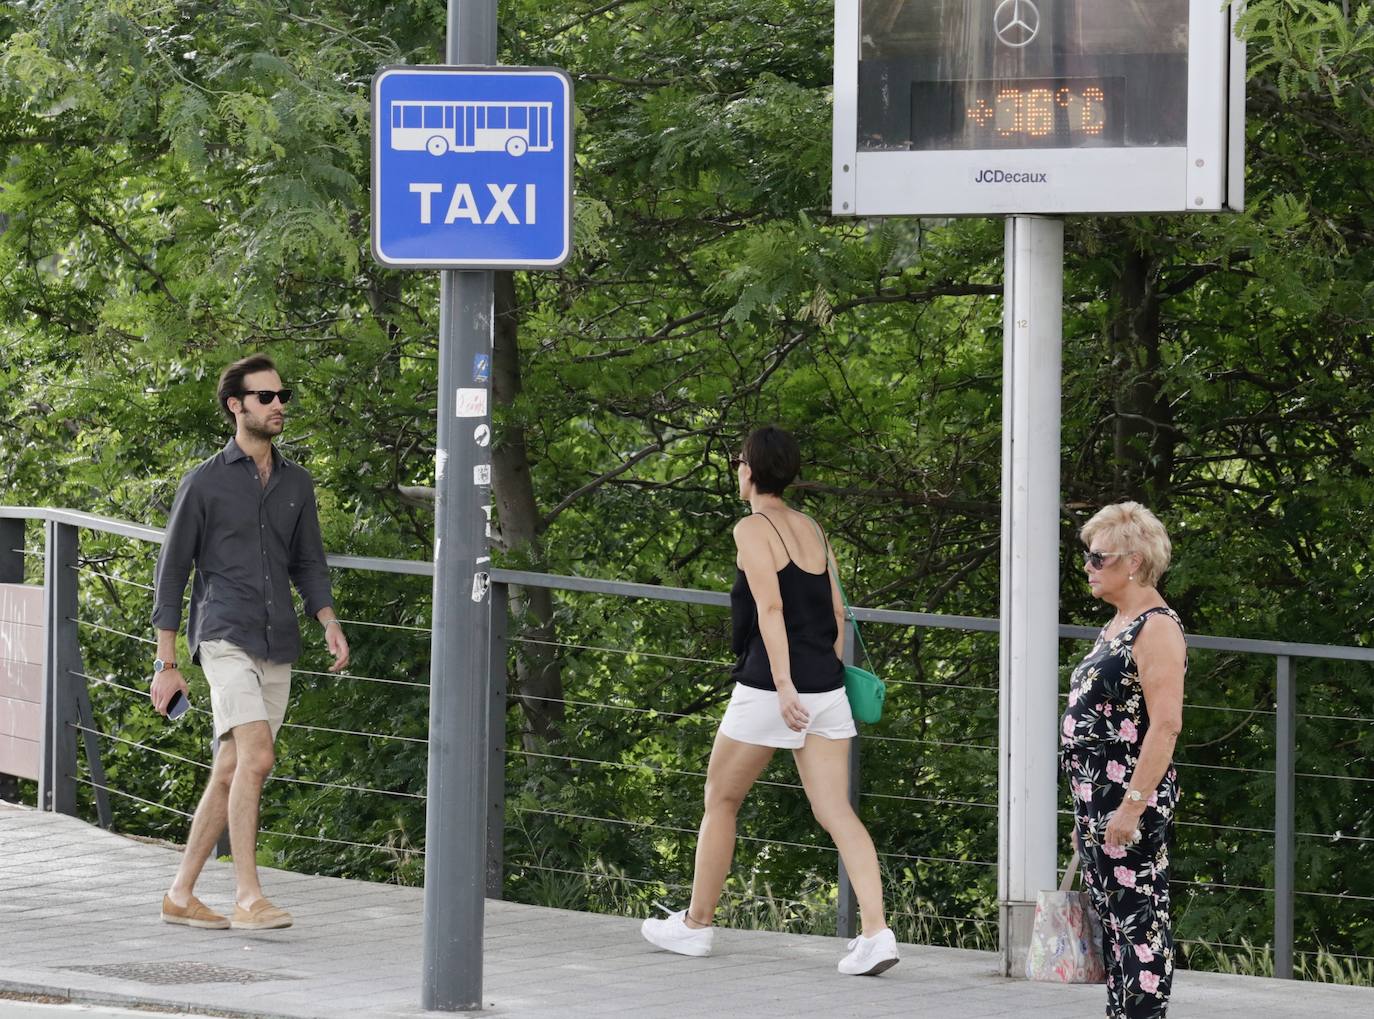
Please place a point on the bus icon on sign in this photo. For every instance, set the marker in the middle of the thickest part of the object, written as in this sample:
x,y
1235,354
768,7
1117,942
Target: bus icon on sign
x,y
442,127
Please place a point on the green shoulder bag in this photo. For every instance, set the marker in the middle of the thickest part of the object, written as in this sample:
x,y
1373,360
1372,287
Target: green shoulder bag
x,y
865,690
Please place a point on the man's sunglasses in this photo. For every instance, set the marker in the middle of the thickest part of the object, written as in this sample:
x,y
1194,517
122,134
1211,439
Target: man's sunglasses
x,y
1097,560
736,461
266,396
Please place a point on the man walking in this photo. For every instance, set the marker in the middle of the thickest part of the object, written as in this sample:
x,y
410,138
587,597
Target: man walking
x,y
246,521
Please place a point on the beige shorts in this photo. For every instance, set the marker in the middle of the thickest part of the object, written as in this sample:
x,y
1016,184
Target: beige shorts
x,y
753,717
243,688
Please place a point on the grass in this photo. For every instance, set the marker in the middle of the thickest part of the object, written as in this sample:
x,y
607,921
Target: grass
x,y
1251,960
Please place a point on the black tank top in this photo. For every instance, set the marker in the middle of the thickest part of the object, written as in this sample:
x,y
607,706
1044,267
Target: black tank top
x,y
809,616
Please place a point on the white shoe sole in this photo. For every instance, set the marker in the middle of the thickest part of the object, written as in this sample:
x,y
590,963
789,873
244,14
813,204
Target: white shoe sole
x,y
695,950
881,966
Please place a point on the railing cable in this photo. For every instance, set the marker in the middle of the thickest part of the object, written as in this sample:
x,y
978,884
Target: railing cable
x,y
1343,896
261,831
1339,718
927,799
116,578
621,651
928,742
385,626
131,796
1269,950
271,778
107,681
362,679
353,732
342,842
603,876
767,782
639,767
285,725
944,916
111,629
699,716
746,838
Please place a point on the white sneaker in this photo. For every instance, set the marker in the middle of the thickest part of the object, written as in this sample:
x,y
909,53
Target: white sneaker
x,y
673,934
870,956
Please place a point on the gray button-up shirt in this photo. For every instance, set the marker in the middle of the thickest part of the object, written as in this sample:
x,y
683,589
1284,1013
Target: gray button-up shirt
x,y
247,544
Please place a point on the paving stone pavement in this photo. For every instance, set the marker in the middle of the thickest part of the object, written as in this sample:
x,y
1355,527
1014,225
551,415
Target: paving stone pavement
x,y
79,918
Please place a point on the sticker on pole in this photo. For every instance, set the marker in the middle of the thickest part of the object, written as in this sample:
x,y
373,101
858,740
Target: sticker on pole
x,y
471,167
472,403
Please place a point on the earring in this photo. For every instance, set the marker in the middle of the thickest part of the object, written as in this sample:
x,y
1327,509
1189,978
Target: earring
x,y
1131,577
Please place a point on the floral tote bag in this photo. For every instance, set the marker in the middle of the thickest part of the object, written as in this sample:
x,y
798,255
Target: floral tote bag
x,y
1066,942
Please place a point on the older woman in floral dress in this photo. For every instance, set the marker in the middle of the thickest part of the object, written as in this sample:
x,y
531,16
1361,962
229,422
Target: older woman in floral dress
x,y
1124,716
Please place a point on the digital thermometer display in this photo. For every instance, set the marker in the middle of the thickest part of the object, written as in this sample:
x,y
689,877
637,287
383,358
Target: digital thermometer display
x,y
1018,113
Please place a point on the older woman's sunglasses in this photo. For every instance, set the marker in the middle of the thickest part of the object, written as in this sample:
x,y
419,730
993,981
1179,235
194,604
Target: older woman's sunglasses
x,y
1097,560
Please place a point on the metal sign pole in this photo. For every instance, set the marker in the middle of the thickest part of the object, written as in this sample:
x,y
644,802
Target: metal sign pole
x,y
455,816
1029,648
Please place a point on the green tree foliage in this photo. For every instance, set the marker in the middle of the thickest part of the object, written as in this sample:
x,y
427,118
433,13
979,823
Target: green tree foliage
x,y
182,182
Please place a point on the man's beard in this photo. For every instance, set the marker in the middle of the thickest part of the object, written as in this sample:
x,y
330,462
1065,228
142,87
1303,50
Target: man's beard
x,y
263,430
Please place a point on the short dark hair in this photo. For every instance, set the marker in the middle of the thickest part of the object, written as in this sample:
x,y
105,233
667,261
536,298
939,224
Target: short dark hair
x,y
231,379
773,457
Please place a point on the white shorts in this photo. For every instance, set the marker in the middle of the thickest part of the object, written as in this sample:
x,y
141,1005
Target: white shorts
x,y
753,717
243,688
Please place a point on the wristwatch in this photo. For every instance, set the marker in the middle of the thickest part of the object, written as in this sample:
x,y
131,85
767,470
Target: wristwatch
x,y
160,666
1135,795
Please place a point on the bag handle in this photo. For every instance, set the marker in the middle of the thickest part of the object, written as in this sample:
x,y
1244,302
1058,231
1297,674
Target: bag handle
x,y
1067,884
835,575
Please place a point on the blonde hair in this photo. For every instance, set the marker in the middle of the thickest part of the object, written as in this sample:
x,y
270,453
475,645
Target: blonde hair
x,y
1132,528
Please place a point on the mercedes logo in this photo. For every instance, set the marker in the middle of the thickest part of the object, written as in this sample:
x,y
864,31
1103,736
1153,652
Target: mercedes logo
x,y
1016,22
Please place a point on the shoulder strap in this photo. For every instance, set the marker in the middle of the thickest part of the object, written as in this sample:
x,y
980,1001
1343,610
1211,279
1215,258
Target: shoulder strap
x,y
835,573
779,534
1069,872
1140,620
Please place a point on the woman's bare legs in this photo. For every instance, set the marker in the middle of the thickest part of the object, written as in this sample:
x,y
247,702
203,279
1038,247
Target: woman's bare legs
x,y
731,774
824,768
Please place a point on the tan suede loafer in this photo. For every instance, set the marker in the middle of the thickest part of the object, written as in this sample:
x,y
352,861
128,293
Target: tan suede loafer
x,y
194,914
261,916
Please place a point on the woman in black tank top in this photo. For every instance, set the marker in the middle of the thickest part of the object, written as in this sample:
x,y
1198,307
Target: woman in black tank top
x,y
787,616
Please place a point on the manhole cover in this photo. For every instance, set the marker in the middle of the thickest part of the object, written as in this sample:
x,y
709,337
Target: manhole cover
x,y
177,973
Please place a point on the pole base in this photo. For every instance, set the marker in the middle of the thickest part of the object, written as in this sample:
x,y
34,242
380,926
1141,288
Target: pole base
x,y
1016,921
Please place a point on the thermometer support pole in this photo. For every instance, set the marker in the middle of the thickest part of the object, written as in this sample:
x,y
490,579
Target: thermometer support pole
x,y
1029,646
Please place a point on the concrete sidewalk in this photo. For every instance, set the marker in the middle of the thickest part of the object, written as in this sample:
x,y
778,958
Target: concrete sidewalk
x,y
79,919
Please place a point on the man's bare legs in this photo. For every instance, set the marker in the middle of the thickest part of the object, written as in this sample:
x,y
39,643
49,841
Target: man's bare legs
x,y
255,760
210,817
731,774
824,768
244,760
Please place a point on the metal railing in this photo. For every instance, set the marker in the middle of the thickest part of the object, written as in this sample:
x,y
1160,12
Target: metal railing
x,y
70,723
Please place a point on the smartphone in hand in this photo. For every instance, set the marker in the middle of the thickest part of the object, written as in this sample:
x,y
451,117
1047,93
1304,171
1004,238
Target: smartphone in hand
x,y
178,707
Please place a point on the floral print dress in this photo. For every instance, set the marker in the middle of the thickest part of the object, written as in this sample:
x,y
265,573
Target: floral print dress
x,y
1101,736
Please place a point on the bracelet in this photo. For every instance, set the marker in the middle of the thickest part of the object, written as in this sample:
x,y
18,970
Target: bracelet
x,y
334,621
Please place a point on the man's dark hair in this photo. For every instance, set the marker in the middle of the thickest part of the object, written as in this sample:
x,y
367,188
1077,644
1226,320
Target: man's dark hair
x,y
773,458
231,379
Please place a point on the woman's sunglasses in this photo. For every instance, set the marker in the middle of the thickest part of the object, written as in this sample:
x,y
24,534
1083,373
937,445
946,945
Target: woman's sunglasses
x,y
1097,560
266,396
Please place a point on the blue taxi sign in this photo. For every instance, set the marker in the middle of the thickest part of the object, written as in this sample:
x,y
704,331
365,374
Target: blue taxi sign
x,y
471,167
